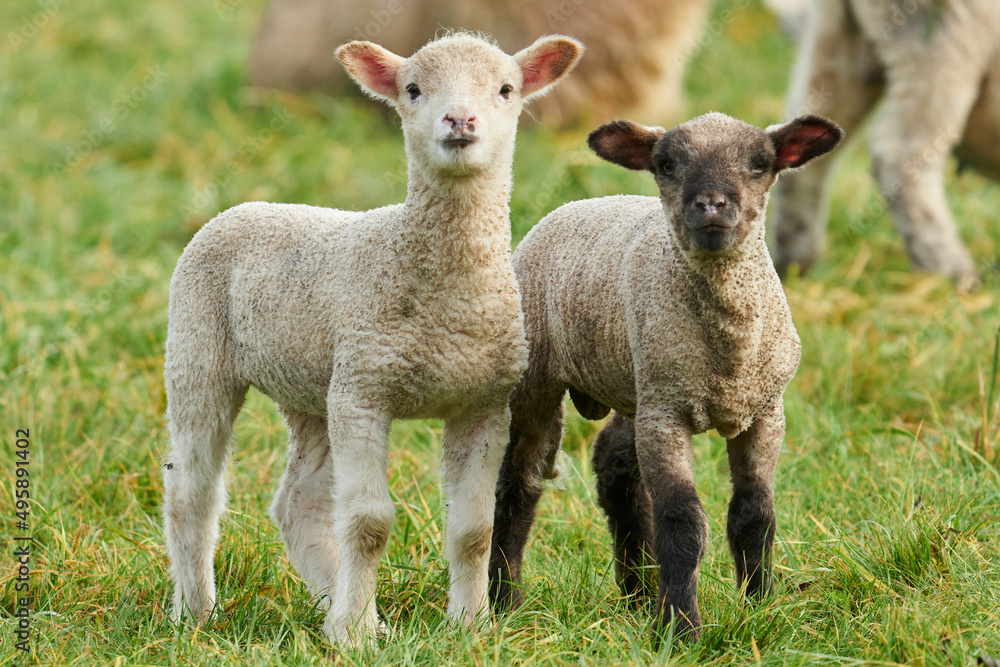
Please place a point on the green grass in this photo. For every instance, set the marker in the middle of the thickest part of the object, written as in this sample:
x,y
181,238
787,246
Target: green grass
x,y
125,128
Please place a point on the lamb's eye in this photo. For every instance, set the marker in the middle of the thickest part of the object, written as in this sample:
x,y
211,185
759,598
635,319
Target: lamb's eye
x,y
760,164
665,166
413,91
505,91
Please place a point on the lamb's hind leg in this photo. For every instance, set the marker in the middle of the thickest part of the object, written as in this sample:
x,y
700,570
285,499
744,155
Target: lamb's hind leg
x,y
201,411
473,449
303,505
535,438
623,497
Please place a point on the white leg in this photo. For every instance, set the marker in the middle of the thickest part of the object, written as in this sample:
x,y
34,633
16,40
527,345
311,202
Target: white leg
x,y
837,75
194,495
926,106
363,515
303,505
473,451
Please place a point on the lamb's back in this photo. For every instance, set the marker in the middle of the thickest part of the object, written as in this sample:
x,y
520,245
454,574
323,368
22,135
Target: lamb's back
x,y
289,294
278,283
573,273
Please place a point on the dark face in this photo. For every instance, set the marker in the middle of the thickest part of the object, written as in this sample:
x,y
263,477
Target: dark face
x,y
719,186
715,172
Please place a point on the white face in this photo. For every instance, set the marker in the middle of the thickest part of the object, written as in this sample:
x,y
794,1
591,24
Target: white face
x,y
459,103
460,96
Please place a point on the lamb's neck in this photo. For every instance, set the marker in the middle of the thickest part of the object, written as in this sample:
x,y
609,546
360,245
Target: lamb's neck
x,y
463,223
729,299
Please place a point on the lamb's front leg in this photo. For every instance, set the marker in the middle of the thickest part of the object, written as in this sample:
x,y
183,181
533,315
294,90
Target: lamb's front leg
x,y
473,451
363,514
680,529
753,455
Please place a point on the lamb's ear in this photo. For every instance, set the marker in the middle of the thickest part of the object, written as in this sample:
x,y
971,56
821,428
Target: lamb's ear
x,y
373,68
626,143
545,62
800,140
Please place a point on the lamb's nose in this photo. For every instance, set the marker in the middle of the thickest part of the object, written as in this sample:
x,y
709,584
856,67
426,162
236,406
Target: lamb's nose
x,y
460,121
711,202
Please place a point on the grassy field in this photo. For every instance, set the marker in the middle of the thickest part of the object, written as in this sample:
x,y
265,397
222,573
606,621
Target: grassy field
x,y
126,127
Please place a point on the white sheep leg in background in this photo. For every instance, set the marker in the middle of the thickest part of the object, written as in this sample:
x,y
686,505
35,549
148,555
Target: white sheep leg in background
x,y
837,75
935,64
925,111
303,506
473,452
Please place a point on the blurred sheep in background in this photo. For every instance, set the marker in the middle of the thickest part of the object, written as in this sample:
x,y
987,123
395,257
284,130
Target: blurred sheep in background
x,y
636,49
792,13
935,67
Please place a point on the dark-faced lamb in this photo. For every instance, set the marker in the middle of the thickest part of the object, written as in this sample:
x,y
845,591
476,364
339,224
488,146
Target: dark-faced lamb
x,y
669,311
935,67
349,320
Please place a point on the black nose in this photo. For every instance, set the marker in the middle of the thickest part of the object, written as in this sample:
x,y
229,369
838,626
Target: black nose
x,y
711,203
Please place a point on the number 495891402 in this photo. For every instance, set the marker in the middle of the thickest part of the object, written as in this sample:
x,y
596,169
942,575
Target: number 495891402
x,y
22,459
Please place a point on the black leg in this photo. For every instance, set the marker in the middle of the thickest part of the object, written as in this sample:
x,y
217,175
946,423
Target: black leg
x,y
680,539
535,438
750,530
625,501
751,523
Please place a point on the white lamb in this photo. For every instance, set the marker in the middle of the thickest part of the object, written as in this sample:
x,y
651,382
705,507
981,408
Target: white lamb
x,y
349,320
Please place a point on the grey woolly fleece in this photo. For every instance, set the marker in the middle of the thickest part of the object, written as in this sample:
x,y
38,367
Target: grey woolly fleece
x,y
617,305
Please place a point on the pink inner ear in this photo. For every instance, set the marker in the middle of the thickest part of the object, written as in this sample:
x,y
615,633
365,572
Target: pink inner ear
x,y
805,135
635,153
377,75
790,153
538,72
